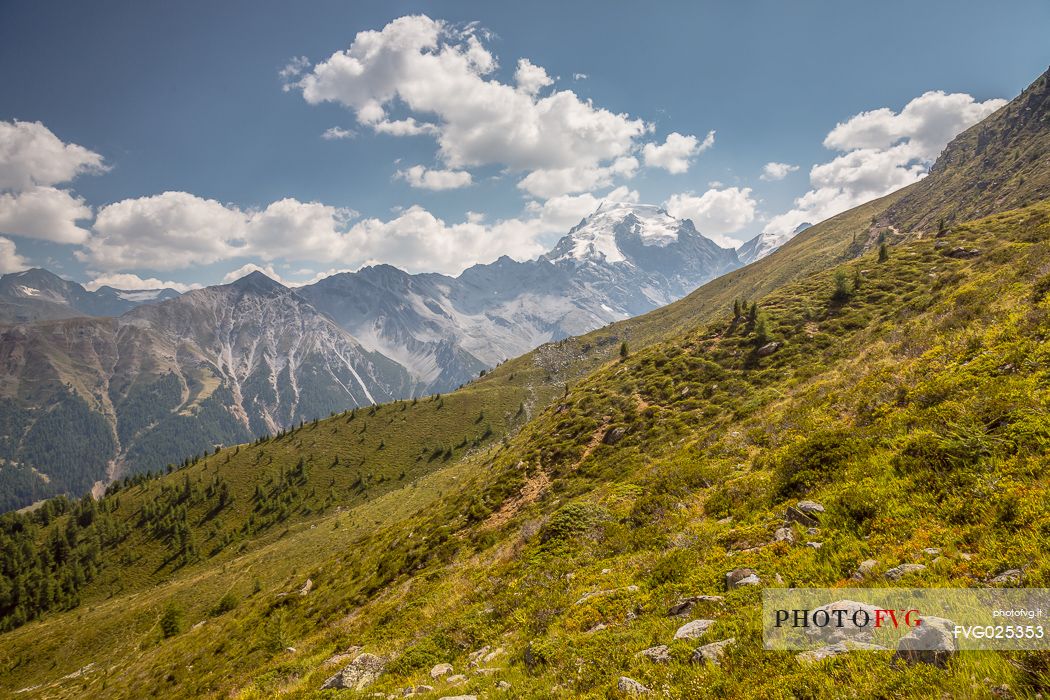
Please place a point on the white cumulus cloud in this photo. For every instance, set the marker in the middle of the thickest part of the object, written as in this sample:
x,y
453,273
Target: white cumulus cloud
x,y
335,133
167,231
30,155
10,260
676,152
442,76
427,179
715,213
47,213
292,230
531,78
126,280
174,230
552,182
774,171
32,161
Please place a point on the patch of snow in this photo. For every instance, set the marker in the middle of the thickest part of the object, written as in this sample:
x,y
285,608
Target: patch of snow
x,y
28,291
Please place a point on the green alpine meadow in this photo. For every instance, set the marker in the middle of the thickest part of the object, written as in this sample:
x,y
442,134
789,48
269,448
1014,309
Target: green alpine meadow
x,y
571,475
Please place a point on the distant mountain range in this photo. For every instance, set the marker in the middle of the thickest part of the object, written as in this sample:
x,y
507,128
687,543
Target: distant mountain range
x,y
39,295
621,261
98,384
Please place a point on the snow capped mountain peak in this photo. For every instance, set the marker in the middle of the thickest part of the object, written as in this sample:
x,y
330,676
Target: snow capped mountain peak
x,y
595,238
765,243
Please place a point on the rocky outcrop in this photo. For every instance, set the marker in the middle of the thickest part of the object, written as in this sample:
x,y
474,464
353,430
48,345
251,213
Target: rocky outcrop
x,y
826,652
1010,577
630,686
864,569
767,349
739,578
358,675
660,654
614,435
811,508
711,653
932,642
694,629
440,670
899,572
684,606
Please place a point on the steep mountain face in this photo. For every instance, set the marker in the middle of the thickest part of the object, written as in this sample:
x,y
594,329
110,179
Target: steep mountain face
x,y
84,399
999,164
445,330
37,295
621,261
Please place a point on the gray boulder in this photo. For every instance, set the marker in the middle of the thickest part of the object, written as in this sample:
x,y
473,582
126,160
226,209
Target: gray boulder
x,y
487,654
614,436
899,572
694,629
738,578
864,570
826,652
932,642
631,686
1010,577
844,610
711,653
794,515
767,349
810,508
685,606
358,675
659,654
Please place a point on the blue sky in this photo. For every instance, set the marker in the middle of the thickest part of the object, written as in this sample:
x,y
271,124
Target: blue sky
x,y
188,98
